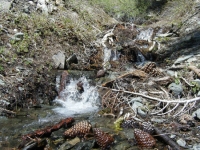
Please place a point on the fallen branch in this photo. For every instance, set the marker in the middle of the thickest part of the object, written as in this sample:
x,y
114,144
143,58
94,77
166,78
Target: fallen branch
x,y
195,69
167,140
48,130
135,73
154,98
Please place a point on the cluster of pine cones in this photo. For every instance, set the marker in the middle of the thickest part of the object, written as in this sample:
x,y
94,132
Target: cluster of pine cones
x,y
142,132
83,128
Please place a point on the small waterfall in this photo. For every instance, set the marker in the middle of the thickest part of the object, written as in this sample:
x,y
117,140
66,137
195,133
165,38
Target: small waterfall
x,y
72,102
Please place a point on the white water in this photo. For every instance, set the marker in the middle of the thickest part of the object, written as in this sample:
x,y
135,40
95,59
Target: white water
x,y
72,102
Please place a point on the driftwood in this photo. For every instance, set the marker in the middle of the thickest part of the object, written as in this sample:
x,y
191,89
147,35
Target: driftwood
x,y
48,130
195,69
136,73
64,79
167,140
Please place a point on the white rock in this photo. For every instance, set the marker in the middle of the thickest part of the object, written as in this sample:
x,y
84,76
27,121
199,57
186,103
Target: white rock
x,y
181,142
42,5
59,60
5,5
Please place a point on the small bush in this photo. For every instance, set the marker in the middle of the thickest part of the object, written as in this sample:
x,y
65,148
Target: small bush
x,y
124,10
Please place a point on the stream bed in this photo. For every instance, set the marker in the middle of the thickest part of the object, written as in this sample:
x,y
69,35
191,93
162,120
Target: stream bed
x,y
83,106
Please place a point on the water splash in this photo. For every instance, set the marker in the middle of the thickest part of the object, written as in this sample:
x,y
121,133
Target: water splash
x,y
72,102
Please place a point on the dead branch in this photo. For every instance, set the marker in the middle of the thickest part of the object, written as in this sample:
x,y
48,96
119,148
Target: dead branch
x,y
48,130
156,99
195,69
136,73
167,140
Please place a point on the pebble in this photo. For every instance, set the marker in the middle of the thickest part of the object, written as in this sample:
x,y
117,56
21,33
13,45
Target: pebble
x,y
182,59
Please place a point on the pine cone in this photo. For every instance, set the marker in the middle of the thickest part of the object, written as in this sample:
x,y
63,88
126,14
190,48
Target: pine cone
x,y
144,139
130,124
103,139
79,129
148,127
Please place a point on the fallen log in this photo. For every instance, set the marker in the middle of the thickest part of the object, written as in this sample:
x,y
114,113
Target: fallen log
x,y
48,130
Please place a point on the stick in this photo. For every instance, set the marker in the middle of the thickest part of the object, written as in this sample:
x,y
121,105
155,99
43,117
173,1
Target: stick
x,y
195,69
167,140
157,99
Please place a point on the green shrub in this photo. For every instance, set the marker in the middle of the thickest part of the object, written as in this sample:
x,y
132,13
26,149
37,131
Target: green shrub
x,y
124,9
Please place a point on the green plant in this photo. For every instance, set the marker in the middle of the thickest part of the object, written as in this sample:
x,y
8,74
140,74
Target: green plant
x,y
123,9
1,68
195,87
117,124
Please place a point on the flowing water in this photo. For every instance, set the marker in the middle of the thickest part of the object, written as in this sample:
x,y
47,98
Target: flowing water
x,y
71,104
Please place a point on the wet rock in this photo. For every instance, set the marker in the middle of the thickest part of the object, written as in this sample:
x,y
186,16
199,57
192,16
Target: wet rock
x,y
175,89
80,87
59,60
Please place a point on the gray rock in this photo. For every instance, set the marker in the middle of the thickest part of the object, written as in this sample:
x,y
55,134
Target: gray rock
x,y
5,5
176,89
158,120
198,94
59,60
171,73
2,82
139,108
196,113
